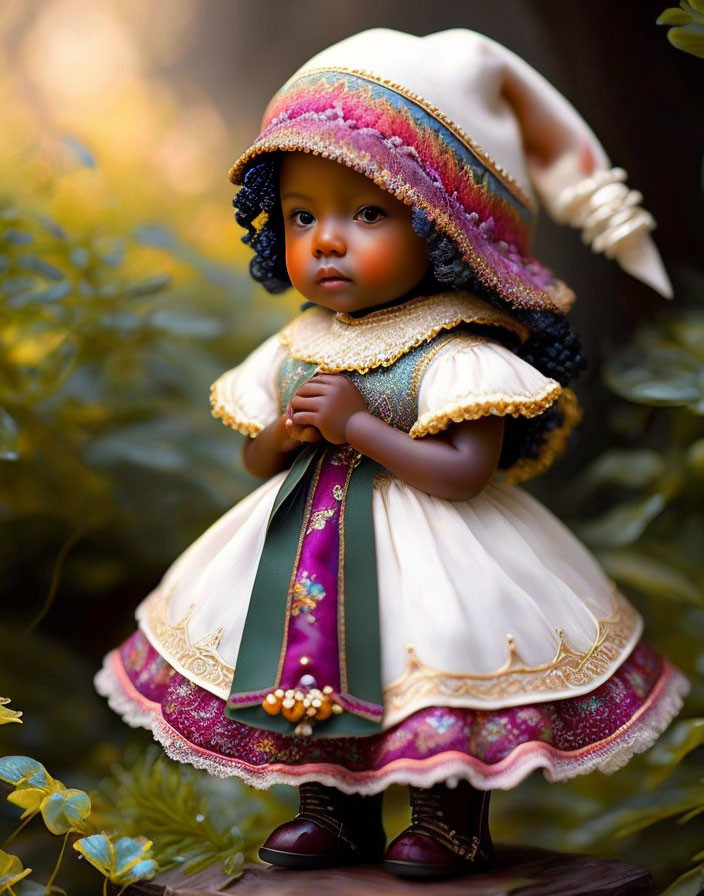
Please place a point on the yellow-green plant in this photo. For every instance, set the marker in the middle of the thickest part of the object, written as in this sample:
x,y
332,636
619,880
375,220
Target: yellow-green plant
x,y
11,872
8,715
123,862
687,32
193,819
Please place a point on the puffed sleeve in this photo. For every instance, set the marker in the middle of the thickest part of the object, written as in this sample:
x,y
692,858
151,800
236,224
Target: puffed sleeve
x,y
247,397
473,376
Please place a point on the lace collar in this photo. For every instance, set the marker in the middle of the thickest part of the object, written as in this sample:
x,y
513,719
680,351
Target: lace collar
x,y
338,341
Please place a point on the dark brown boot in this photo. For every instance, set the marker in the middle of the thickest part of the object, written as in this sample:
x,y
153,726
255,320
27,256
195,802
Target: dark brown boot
x,y
331,828
448,835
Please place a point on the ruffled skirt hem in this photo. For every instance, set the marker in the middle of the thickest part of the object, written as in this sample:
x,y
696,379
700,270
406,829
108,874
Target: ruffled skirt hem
x,y
606,754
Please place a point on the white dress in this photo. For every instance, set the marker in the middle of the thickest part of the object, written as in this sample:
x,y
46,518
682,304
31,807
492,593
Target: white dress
x,y
484,604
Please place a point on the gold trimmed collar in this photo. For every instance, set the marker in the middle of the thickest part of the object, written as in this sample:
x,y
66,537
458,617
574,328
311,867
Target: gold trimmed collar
x,y
338,341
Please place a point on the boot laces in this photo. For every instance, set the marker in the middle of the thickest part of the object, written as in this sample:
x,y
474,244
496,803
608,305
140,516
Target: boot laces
x,y
317,804
427,817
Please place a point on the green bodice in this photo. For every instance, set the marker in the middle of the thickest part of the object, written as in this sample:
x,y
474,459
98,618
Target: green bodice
x,y
391,393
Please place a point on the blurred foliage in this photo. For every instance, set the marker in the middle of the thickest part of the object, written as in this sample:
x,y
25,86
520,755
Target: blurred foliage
x,y
104,376
640,507
194,820
688,31
64,811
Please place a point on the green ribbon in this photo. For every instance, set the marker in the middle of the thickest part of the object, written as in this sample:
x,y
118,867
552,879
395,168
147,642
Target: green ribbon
x,y
264,629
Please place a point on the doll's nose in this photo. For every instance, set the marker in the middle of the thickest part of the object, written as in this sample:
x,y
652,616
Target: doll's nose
x,y
328,240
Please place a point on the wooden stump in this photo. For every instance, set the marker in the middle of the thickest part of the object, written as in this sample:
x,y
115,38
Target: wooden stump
x,y
520,871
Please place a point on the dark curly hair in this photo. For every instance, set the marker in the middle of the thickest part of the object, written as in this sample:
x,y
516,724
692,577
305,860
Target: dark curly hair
x,y
552,346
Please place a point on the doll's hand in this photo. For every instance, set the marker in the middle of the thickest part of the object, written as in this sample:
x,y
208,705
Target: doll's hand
x,y
301,433
327,401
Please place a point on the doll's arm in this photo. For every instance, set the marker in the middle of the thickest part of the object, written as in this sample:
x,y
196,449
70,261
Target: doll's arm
x,y
455,465
270,451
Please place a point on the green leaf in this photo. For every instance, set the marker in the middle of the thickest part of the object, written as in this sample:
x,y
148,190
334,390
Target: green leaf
x,y
695,457
664,375
670,750
16,769
623,524
32,888
9,437
11,871
17,237
633,469
66,811
80,151
52,227
150,285
652,576
689,884
13,285
123,862
45,296
689,39
689,332
157,237
674,16
8,716
40,266
180,324
149,445
80,257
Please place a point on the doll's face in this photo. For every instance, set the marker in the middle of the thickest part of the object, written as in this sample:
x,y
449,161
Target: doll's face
x,y
349,244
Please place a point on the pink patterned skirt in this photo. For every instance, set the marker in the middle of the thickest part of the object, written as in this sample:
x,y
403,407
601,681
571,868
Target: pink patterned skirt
x,y
490,748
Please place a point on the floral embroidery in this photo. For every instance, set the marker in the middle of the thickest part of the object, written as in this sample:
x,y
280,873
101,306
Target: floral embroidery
x,y
338,492
319,518
307,593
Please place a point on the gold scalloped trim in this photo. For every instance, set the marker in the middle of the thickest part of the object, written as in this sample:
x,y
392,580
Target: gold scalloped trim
x,y
338,342
200,659
570,669
500,404
231,417
554,443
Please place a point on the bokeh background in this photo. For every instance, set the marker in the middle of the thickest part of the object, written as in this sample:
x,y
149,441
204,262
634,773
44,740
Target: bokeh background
x,y
125,292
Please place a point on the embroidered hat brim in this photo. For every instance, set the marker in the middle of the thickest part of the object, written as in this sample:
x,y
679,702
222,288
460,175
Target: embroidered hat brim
x,y
410,149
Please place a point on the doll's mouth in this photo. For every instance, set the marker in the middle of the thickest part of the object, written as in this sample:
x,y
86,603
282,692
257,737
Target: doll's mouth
x,y
331,278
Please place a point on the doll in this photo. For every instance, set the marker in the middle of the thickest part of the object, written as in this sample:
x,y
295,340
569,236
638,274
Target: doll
x,y
389,606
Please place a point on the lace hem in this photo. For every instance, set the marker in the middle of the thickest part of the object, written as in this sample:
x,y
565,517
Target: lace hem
x,y
609,755
132,707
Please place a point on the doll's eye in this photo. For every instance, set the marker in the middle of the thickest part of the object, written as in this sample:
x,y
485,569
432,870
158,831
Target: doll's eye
x,y
370,214
301,217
